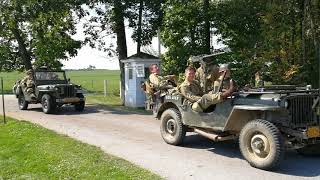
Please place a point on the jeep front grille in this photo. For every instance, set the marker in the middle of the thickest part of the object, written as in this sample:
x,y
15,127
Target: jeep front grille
x,y
69,91
300,110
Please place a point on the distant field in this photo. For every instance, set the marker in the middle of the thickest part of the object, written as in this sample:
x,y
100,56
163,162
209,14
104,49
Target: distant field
x,y
93,81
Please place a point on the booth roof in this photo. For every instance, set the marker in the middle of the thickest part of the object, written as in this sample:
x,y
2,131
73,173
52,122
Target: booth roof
x,y
143,55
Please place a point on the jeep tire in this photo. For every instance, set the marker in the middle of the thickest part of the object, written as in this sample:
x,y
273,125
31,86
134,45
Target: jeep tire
x,y
171,127
48,104
23,104
261,144
80,106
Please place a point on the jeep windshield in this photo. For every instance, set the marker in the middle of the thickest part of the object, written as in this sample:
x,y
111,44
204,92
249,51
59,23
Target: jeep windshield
x,y
50,77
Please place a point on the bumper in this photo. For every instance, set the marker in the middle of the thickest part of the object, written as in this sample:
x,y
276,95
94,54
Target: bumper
x,y
308,133
70,100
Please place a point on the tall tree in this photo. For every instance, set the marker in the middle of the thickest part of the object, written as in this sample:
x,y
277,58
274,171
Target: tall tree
x,y
109,20
184,33
37,31
145,18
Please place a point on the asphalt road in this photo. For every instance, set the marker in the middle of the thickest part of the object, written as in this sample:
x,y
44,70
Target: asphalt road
x,y
136,138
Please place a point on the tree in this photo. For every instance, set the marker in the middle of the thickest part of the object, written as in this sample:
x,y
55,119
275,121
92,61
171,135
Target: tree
x,y
281,34
184,32
110,20
37,31
145,19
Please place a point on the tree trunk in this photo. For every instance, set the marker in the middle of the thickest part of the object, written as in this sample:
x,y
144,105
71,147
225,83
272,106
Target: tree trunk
x,y
119,29
303,39
139,27
22,48
293,38
206,26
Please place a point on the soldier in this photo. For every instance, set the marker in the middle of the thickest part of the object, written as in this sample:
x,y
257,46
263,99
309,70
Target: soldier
x,y
27,84
258,79
207,80
224,76
159,82
192,90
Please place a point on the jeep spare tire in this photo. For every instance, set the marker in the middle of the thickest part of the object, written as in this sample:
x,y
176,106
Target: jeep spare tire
x,y
261,144
171,127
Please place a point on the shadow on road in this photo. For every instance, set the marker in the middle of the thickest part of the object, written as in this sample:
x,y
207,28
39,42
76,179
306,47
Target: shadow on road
x,y
292,164
67,110
90,109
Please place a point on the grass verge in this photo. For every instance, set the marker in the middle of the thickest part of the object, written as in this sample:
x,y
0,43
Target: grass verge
x,y
28,151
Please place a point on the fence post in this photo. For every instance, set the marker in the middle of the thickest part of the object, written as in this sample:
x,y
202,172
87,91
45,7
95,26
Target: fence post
x,y
105,87
3,108
92,84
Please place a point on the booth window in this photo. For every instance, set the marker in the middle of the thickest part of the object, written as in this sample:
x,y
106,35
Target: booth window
x,y
130,74
140,70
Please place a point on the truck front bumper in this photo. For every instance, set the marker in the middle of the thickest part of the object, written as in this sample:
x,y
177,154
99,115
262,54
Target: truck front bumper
x,y
70,100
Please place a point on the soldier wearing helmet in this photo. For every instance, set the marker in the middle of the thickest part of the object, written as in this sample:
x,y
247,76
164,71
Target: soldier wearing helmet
x,y
27,84
192,90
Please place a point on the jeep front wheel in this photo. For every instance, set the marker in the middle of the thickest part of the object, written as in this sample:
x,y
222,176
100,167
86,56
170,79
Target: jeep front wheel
x,y
261,144
48,105
23,104
171,127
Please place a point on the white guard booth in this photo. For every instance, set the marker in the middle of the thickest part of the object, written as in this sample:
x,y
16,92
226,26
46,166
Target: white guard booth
x,y
136,72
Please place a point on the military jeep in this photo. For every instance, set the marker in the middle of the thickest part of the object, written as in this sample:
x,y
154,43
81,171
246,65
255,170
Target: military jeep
x,y
266,121
52,90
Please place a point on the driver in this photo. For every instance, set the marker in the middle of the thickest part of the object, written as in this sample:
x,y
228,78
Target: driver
x,y
192,90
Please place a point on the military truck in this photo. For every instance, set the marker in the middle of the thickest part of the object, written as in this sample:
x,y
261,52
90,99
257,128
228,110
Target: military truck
x,y
52,89
266,121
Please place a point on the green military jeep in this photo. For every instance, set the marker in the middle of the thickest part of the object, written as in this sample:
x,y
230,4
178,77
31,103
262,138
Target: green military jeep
x,y
52,90
266,121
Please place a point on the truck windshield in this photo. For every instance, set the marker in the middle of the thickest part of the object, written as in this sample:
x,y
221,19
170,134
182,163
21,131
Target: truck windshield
x,y
50,76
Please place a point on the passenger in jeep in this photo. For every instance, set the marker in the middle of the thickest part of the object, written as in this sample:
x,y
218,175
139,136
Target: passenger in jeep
x,y
159,82
192,91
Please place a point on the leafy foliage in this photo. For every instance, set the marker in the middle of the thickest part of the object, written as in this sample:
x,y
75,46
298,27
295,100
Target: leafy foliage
x,y
37,30
279,38
182,33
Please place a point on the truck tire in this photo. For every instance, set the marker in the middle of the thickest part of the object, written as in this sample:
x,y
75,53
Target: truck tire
x,y
310,150
171,127
23,104
261,144
48,104
80,106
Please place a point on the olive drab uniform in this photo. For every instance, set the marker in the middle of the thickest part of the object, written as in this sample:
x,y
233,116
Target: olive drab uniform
x,y
194,93
27,84
207,81
200,76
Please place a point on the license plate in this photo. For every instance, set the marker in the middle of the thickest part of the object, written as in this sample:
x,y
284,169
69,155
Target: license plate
x,y
313,132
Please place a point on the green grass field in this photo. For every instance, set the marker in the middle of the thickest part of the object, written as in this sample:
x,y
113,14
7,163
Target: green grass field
x,y
28,151
93,81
